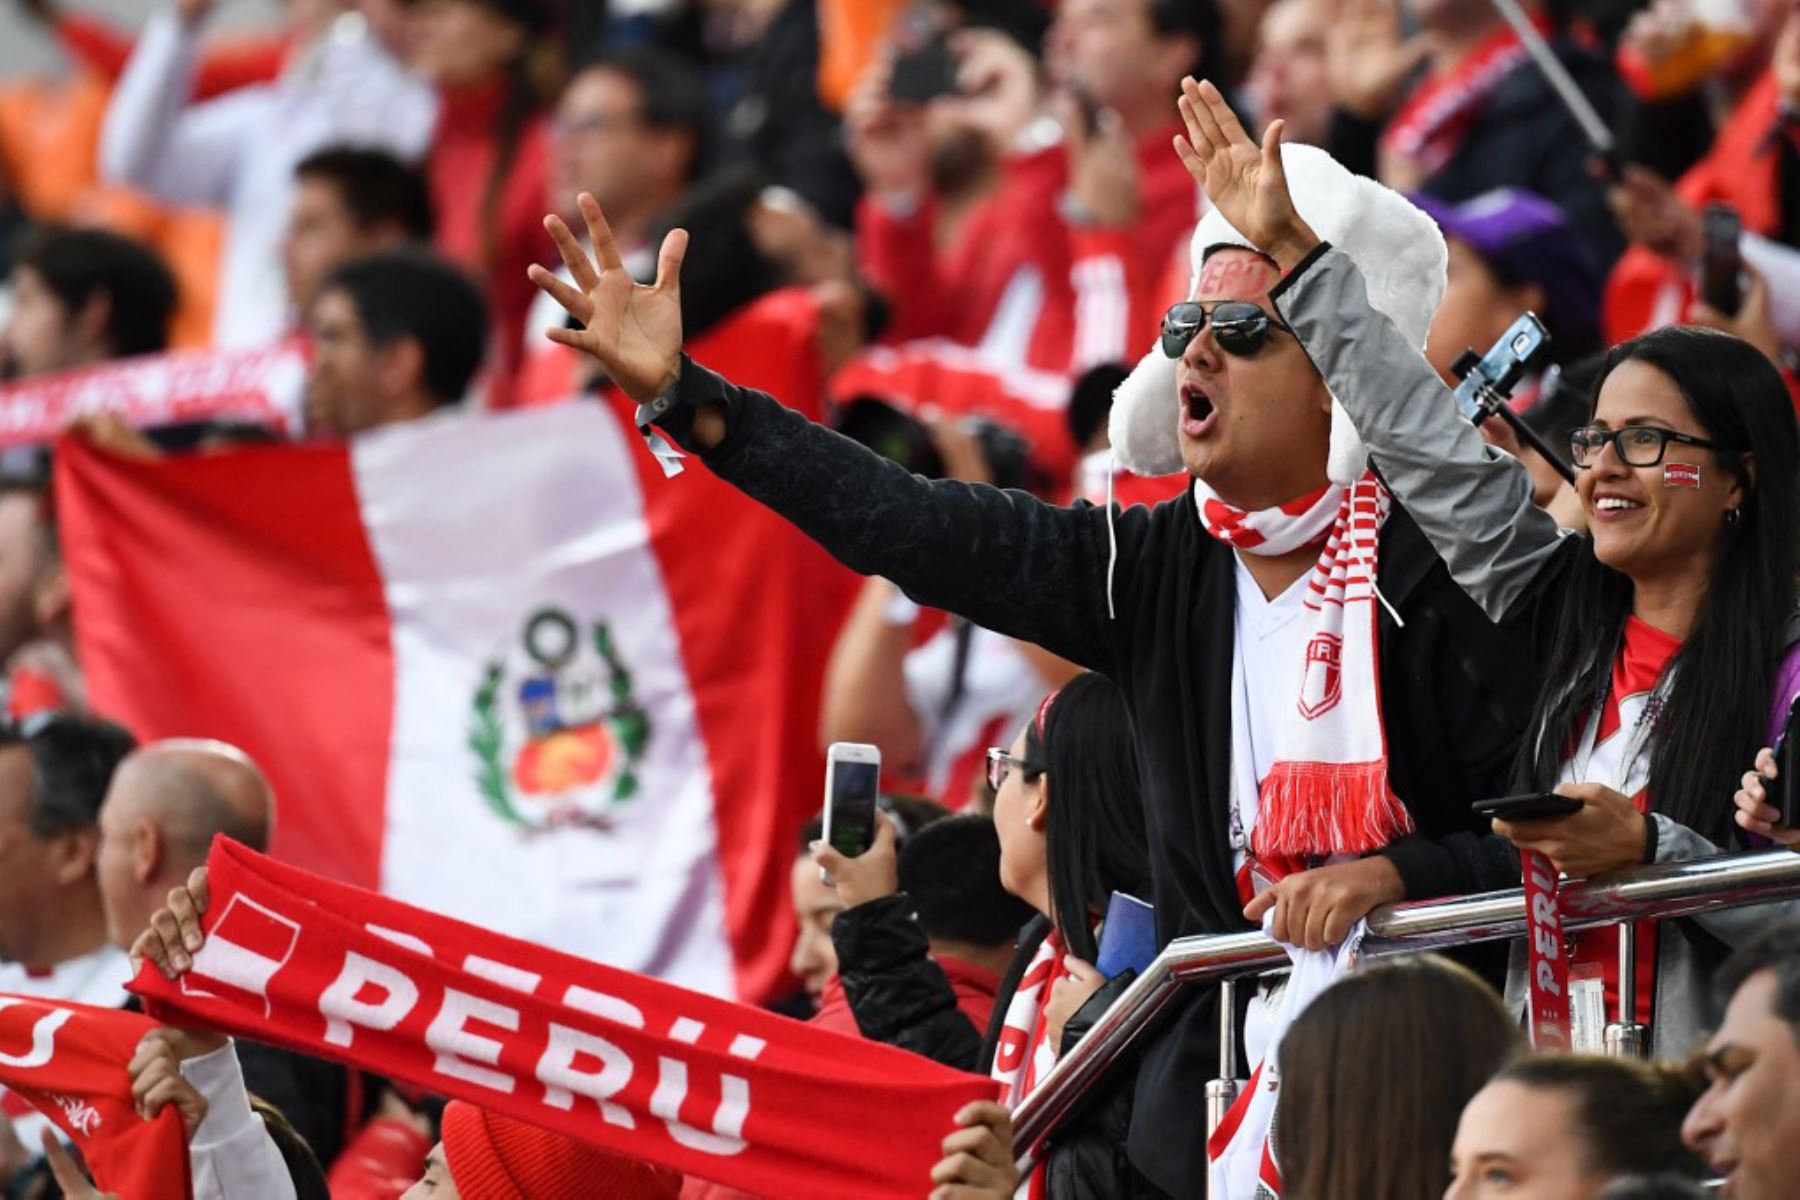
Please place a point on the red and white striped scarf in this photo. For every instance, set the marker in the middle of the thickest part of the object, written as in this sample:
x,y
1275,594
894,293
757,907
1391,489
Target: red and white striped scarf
x,y
1328,791
1024,1054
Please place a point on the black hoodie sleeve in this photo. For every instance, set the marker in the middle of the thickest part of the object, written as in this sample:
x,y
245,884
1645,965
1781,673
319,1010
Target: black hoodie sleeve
x,y
1004,559
897,993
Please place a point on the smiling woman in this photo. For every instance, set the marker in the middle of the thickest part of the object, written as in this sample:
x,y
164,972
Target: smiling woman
x,y
1663,631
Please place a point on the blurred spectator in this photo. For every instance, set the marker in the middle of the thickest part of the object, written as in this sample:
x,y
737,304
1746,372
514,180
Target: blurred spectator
x,y
486,1155
37,637
1459,109
1431,1033
924,939
1052,268
778,116
238,152
84,296
54,773
1747,1123
166,803
1071,830
1288,80
1566,1126
395,337
493,62
349,203
631,128
1512,251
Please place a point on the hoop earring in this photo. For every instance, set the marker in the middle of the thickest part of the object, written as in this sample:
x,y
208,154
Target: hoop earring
x,y
1733,515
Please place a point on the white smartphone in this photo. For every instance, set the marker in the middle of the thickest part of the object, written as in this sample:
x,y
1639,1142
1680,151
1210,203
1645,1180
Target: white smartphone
x,y
852,783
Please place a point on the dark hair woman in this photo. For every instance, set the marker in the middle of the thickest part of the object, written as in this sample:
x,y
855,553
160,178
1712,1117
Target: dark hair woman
x,y
1570,1125
1071,827
1663,631
1374,1073
495,68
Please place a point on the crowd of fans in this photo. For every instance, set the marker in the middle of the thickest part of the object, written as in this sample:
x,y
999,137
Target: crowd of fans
x,y
977,214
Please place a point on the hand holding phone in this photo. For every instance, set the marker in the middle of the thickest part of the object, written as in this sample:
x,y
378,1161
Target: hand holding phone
x,y
1721,265
1784,789
852,785
1532,806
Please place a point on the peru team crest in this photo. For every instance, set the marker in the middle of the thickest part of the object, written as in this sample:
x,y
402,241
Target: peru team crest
x,y
557,732
1323,684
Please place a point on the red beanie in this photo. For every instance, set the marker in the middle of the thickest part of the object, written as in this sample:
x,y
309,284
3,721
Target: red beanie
x,y
494,1157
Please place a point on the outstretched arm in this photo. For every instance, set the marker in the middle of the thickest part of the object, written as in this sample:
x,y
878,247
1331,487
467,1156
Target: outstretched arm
x,y
1473,502
1003,559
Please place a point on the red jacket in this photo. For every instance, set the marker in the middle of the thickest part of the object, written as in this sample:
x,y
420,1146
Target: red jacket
x,y
462,157
1022,283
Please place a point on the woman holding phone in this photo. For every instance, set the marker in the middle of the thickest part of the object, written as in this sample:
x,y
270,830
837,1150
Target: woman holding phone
x,y
1071,825
1664,628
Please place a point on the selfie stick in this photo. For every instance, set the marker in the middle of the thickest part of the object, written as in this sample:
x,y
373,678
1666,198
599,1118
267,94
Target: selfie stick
x,y
1561,82
1486,380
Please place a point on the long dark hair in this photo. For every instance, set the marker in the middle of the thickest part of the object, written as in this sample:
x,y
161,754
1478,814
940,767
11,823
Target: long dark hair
x,y
1717,709
1375,1074
1094,839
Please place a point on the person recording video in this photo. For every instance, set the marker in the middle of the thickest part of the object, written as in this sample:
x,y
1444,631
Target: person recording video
x,y
1664,628
1197,609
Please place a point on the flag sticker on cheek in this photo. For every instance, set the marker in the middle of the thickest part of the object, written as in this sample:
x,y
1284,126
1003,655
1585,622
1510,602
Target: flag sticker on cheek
x,y
1681,475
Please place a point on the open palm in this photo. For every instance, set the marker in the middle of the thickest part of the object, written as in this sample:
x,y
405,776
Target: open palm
x,y
1244,181
633,331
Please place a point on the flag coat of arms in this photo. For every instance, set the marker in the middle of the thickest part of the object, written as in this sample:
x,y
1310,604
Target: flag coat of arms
x,y
495,666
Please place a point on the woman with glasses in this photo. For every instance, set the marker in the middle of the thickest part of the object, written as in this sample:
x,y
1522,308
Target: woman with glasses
x,y
1663,629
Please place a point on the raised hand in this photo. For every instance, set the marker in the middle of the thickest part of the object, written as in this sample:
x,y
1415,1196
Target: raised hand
x,y
174,935
157,1081
1245,182
1366,59
633,331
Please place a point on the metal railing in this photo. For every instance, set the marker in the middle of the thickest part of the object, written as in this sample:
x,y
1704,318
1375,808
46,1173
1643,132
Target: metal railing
x,y
1660,891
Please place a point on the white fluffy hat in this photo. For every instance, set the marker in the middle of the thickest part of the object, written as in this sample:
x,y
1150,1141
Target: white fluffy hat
x,y
1396,246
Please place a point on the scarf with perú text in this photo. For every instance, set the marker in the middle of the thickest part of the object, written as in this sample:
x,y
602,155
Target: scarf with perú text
x,y
716,1090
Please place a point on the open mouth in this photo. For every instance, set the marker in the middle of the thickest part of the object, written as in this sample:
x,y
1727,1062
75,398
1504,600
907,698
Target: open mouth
x,y
1615,507
1197,411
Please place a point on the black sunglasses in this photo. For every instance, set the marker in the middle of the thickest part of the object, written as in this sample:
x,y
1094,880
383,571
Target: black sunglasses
x,y
1239,326
1636,445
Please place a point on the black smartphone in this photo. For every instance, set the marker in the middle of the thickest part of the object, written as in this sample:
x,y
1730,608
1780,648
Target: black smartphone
x,y
924,74
1721,266
1533,806
1784,789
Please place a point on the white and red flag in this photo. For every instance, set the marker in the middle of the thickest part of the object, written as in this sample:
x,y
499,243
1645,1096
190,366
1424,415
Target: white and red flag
x,y
495,666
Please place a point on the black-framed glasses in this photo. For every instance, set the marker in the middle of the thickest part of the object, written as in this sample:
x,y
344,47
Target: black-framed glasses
x,y
1000,764
1239,326
1636,445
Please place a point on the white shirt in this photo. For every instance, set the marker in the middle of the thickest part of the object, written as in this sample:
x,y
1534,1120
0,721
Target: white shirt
x,y
1269,650
232,1155
238,152
1000,691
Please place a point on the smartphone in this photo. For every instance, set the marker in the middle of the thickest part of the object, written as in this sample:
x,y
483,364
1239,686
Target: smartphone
x,y
923,74
1721,266
852,784
1784,789
1490,378
1533,806
1127,936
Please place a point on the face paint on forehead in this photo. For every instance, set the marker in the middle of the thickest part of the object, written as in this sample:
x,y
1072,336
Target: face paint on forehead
x,y
1235,274
1681,475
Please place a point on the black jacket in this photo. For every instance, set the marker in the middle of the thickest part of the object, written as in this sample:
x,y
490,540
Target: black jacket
x,y
1455,688
900,996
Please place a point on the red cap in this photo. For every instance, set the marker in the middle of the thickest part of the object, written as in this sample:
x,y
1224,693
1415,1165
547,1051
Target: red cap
x,y
494,1157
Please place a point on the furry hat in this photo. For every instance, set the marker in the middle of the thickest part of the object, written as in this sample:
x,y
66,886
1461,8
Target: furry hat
x,y
1396,246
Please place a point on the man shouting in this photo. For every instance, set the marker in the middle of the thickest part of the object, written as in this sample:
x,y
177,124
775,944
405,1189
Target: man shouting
x,y
1312,693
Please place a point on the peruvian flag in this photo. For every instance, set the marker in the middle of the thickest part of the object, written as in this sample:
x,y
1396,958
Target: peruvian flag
x,y
495,665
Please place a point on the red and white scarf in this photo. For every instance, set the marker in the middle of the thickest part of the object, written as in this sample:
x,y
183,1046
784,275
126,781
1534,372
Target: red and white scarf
x,y
1328,791
1430,126
719,1091
1024,1054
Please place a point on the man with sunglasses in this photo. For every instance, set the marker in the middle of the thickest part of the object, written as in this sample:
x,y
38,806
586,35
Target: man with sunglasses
x,y
1167,601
